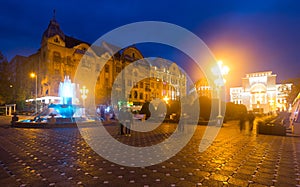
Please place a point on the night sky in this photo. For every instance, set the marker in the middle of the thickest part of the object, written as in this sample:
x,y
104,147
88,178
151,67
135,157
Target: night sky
x,y
248,36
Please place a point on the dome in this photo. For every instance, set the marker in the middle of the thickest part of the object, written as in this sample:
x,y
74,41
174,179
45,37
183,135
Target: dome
x,y
53,29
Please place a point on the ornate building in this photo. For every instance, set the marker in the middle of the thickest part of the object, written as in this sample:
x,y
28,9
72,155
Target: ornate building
x,y
203,88
260,93
59,55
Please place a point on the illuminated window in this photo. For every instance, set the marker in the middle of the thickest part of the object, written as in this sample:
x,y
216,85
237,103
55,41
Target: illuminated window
x,y
135,94
152,85
118,69
97,67
56,40
56,57
106,68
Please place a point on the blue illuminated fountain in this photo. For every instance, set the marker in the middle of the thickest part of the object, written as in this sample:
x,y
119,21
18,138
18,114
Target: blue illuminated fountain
x,y
68,103
59,113
67,92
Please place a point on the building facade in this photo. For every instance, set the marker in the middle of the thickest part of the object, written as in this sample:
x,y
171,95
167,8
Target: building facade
x,y
203,88
260,93
59,56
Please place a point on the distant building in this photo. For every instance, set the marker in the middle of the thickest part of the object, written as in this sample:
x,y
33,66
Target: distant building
x,y
260,93
203,88
59,56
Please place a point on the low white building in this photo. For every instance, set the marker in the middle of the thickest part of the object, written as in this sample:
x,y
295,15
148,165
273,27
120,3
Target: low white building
x,y
260,93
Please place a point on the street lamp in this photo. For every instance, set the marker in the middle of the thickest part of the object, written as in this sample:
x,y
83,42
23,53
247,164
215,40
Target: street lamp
x,y
166,99
84,91
220,70
33,75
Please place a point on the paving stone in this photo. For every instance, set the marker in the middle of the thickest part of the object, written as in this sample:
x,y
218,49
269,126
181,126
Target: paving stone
x,y
286,180
257,185
212,183
237,181
218,177
263,181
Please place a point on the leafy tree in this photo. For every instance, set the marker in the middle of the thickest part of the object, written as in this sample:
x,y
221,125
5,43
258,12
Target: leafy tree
x,y
6,87
235,111
205,107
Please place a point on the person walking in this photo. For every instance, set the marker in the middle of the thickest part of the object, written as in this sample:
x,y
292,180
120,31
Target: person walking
x,y
242,121
251,118
128,121
121,125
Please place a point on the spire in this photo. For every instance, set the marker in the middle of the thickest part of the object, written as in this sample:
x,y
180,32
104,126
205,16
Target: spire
x,y
53,28
54,15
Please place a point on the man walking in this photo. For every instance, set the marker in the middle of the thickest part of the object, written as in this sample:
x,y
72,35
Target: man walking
x,y
251,118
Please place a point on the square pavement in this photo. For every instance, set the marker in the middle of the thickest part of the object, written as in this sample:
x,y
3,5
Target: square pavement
x,y
61,157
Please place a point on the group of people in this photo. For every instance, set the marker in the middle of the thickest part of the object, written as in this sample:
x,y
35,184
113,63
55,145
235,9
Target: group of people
x,y
244,117
126,119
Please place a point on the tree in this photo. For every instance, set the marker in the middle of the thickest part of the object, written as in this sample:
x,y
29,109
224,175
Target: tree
x,y
234,111
6,85
205,107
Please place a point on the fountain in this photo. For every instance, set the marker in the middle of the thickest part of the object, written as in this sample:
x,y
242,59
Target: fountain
x,y
59,113
67,92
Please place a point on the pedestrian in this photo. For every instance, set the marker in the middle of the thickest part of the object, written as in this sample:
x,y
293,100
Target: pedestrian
x,y
128,121
251,118
121,125
242,121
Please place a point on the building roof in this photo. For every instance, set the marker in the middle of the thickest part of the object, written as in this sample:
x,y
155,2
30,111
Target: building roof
x,y
71,42
53,29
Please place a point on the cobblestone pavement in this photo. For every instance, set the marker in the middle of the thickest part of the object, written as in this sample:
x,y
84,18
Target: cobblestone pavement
x,y
60,157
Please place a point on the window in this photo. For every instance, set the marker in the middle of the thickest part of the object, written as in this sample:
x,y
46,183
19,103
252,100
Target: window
x,y
106,68
69,61
56,40
57,71
141,85
152,85
118,69
141,96
97,67
135,94
56,57
147,87
85,63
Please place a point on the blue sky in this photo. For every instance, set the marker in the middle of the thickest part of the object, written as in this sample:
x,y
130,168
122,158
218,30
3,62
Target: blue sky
x,y
248,36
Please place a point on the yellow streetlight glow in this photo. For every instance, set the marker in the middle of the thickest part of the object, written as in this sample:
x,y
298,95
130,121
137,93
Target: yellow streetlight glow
x,y
32,75
166,99
220,70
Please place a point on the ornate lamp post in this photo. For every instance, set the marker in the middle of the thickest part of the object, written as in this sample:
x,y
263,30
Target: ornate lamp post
x,y
34,75
220,70
84,91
